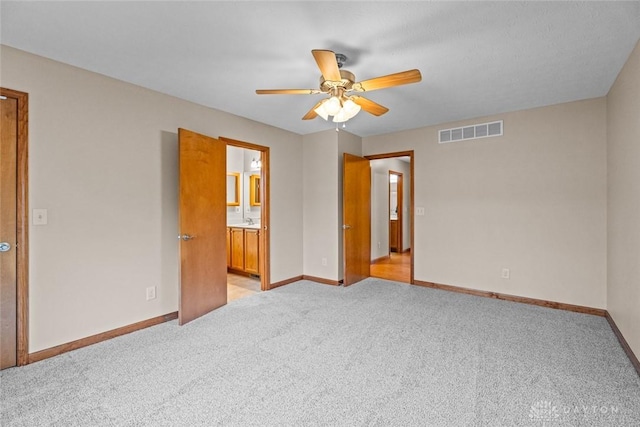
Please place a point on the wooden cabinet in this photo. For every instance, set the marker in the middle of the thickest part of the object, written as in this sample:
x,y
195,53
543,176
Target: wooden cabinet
x,y
393,235
237,248
228,248
243,250
252,251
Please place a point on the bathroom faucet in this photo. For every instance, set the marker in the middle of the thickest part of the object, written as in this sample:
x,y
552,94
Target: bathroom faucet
x,y
250,221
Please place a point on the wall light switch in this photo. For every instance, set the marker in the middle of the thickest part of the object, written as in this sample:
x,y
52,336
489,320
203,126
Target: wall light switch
x,y
39,217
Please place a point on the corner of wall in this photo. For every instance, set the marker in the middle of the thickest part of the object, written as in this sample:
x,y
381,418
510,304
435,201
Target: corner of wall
x,y
623,200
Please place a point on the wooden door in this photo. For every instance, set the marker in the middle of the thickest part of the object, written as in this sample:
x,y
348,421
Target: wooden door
x,y
8,231
203,217
357,218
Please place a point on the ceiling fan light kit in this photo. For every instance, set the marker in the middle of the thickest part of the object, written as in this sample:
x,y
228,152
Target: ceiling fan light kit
x,y
337,83
341,107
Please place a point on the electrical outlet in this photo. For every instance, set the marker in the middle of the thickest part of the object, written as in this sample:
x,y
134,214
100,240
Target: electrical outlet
x,y
419,210
505,273
151,293
324,262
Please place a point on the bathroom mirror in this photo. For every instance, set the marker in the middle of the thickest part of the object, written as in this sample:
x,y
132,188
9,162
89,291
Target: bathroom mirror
x,y
254,190
233,189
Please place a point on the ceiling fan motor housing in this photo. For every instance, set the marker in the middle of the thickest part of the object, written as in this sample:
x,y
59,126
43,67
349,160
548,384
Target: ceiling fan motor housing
x,y
348,78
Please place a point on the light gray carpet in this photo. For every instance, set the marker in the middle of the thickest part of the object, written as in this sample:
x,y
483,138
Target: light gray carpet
x,y
377,353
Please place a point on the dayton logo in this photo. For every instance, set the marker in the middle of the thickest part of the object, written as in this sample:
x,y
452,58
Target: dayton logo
x,y
544,412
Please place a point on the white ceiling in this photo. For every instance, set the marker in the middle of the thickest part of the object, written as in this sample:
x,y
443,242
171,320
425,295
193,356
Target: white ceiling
x,y
476,58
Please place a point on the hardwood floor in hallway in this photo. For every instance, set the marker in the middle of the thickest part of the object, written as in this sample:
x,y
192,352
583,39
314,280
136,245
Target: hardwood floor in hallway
x,y
397,267
241,286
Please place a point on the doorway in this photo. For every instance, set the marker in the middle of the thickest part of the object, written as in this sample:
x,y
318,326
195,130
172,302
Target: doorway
x,y
204,185
392,216
247,219
14,228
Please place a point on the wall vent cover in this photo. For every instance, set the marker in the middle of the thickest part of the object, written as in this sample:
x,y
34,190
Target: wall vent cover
x,y
482,130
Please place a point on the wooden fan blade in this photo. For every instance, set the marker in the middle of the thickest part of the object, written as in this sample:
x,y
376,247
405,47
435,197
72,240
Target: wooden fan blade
x,y
287,91
397,79
369,106
328,64
311,114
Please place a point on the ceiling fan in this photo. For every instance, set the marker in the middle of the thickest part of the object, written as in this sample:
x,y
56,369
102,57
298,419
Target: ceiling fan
x,y
339,84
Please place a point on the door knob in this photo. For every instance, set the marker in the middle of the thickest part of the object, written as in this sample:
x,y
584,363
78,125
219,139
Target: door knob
x,y
5,247
186,237
346,227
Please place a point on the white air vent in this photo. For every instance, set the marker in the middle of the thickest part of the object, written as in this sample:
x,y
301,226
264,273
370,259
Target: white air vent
x,y
482,130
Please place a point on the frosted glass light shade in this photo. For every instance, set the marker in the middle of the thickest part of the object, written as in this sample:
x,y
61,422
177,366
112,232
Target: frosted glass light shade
x,y
322,111
332,106
341,116
341,109
350,108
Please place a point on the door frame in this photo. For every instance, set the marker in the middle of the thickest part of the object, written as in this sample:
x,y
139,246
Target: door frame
x,y
265,245
22,225
412,184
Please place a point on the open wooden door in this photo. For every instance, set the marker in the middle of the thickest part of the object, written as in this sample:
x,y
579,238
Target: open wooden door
x,y
14,228
8,231
203,225
356,231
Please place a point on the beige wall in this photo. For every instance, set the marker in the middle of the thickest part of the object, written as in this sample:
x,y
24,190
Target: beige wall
x,y
320,201
322,178
532,201
623,151
103,161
